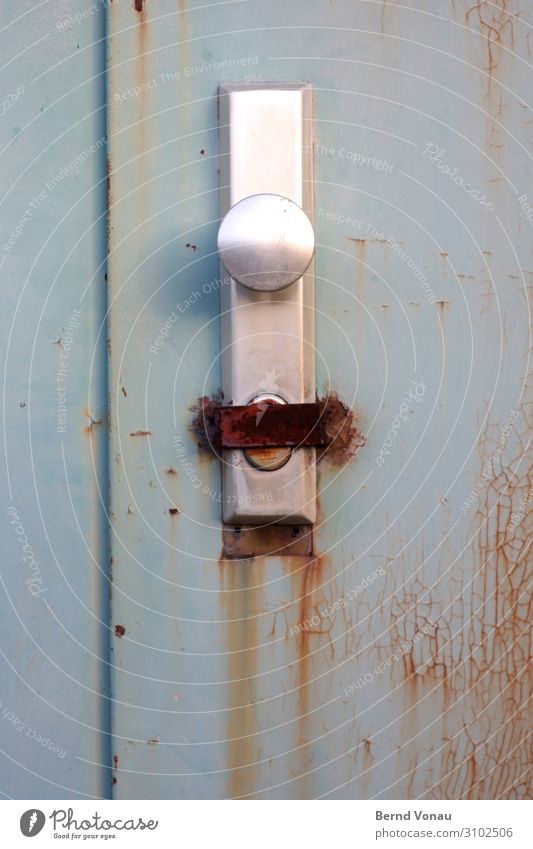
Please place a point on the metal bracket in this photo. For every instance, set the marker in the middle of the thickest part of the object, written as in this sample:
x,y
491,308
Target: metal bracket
x,y
265,146
274,426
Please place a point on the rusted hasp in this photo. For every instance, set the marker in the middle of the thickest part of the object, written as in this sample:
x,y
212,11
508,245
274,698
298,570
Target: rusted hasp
x,y
327,424
264,425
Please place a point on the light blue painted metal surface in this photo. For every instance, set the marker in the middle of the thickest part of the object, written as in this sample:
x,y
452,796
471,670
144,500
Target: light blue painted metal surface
x,y
394,662
54,710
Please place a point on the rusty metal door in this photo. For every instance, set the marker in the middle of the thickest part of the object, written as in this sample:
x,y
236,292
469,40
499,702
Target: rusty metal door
x,y
393,660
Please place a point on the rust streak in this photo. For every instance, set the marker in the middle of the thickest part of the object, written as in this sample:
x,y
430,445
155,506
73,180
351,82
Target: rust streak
x,y
304,583
240,596
495,22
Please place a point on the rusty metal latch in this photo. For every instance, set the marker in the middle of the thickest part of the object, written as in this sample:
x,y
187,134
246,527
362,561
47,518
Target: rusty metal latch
x,y
326,423
263,425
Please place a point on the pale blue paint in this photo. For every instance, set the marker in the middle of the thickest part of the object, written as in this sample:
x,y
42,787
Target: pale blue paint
x,y
54,662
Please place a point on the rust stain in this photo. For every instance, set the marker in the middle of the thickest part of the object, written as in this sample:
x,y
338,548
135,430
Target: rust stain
x,y
171,471
119,630
347,438
240,598
495,25
312,631
92,422
141,433
368,758
141,77
110,577
302,663
109,204
115,767
203,425
249,542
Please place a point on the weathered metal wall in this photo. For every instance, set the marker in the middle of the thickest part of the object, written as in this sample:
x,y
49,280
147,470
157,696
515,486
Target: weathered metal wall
x,y
394,662
54,707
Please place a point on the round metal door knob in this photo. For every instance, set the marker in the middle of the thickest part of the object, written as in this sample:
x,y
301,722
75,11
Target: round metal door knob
x,y
266,242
